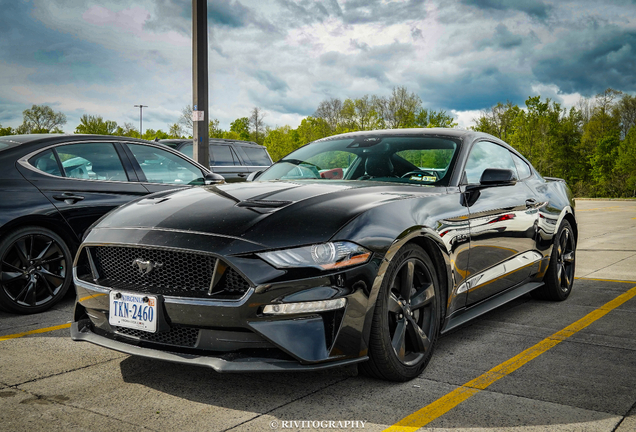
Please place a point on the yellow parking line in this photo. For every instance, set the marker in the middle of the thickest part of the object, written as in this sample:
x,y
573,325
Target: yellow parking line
x,y
92,296
30,332
444,404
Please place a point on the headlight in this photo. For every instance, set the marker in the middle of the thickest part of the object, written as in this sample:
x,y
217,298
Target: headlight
x,y
325,256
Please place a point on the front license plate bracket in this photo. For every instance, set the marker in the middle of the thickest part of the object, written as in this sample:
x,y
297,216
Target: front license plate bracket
x,y
142,300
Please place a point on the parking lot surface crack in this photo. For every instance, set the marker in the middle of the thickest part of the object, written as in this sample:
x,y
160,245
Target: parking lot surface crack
x,y
632,411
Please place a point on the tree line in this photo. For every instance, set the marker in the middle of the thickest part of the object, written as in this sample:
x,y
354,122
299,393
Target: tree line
x,y
592,145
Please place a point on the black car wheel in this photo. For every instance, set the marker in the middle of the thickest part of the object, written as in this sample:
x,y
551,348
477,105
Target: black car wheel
x,y
559,277
34,270
407,318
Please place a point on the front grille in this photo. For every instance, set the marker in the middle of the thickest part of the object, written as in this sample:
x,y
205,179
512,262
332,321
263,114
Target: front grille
x,y
177,336
186,274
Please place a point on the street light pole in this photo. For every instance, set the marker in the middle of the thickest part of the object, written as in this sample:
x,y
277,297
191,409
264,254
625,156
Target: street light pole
x,y
141,107
200,116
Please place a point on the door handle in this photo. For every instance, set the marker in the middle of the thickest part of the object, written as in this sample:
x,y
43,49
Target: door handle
x,y
68,198
530,202
242,174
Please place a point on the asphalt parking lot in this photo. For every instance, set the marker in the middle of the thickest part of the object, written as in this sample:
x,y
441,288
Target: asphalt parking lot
x,y
527,366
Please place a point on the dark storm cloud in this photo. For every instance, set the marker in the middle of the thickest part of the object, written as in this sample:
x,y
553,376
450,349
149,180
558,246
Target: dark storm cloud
x,y
373,71
505,39
271,81
534,8
282,104
354,11
230,14
473,90
590,62
368,62
54,57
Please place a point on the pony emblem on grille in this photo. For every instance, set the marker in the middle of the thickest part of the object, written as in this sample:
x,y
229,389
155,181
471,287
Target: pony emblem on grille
x,y
146,266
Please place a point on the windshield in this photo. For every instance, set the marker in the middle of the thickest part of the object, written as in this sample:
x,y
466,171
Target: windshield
x,y
397,159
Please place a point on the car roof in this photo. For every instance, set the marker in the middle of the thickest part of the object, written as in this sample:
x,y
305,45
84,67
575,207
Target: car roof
x,y
214,141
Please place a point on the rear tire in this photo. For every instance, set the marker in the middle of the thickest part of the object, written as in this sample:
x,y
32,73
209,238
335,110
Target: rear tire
x,y
35,270
559,277
407,318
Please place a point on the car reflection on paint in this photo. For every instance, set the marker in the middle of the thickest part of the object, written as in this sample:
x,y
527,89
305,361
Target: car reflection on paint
x,y
360,248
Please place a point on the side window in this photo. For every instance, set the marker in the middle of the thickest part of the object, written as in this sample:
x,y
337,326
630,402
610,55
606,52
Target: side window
x,y
161,166
257,156
522,167
331,165
188,150
487,155
91,161
221,155
46,162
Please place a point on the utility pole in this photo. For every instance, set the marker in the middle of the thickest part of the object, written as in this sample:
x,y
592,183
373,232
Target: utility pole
x,y
200,116
141,107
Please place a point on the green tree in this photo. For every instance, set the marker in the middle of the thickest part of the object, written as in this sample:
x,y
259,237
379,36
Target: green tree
x,y
430,118
175,130
95,125
151,135
626,111
6,131
241,127
626,163
128,130
330,110
280,141
497,120
399,109
42,119
214,130
312,129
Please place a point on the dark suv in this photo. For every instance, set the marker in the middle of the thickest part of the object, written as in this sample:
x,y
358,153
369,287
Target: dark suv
x,y
233,159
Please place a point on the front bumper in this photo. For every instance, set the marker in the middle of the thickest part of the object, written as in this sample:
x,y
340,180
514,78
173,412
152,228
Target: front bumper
x,y
234,334
80,331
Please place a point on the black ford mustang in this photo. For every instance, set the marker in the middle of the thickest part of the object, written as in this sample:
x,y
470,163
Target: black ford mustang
x,y
361,247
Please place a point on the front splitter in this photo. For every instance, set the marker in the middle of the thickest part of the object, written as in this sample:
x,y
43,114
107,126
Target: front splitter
x,y
218,364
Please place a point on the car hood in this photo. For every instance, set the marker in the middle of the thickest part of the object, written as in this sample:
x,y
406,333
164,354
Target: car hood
x,y
273,214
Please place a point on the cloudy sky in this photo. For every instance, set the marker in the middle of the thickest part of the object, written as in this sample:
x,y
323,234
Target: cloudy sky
x,y
101,57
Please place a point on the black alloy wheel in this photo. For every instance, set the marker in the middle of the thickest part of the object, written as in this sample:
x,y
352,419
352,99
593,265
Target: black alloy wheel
x,y
34,270
559,277
407,318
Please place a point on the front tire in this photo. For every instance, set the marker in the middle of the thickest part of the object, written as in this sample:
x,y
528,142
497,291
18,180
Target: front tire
x,y
407,318
35,270
559,277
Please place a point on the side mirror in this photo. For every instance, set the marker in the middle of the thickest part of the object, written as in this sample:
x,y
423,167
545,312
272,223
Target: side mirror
x,y
492,177
497,177
253,176
214,178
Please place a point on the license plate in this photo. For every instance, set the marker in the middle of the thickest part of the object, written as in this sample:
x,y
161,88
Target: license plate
x,y
135,311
